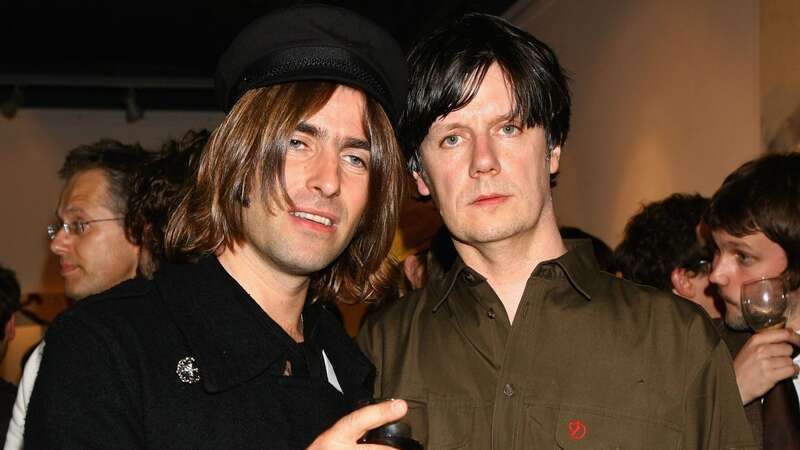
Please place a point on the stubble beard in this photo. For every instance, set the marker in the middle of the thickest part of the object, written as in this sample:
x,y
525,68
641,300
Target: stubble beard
x,y
736,321
82,288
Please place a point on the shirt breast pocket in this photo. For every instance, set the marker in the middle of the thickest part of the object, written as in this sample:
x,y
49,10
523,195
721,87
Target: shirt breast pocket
x,y
441,423
601,429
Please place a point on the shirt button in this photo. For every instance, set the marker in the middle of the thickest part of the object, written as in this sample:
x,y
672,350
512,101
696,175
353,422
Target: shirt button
x,y
491,313
469,277
508,390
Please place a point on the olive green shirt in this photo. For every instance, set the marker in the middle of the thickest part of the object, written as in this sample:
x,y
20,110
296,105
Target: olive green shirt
x,y
591,361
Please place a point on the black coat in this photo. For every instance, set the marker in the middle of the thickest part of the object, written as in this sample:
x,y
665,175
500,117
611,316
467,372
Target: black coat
x,y
112,377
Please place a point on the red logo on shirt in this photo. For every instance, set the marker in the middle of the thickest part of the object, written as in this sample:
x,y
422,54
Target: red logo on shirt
x,y
577,429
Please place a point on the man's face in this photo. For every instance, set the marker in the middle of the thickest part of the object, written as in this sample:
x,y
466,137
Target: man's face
x,y
101,257
739,260
487,173
327,178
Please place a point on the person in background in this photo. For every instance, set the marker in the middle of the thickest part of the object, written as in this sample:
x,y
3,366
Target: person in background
x,y
9,305
431,262
526,343
155,193
753,225
294,203
94,254
661,248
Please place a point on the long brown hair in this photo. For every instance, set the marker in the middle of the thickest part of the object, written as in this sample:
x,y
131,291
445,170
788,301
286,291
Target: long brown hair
x,y
252,140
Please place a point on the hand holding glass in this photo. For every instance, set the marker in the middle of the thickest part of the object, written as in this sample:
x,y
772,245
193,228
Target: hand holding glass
x,y
764,304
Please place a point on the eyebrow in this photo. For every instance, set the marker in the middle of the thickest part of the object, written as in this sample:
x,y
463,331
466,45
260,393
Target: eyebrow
x,y
357,143
311,130
320,133
445,127
738,245
71,210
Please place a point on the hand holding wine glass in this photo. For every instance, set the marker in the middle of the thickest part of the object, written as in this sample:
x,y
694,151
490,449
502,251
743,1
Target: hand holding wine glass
x,y
764,304
764,307
765,358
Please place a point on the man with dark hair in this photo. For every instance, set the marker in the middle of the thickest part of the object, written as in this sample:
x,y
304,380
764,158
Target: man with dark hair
x,y
754,223
525,343
155,193
661,248
295,203
9,304
89,239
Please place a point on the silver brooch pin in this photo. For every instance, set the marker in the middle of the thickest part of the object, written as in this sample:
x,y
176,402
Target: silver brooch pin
x,y
187,370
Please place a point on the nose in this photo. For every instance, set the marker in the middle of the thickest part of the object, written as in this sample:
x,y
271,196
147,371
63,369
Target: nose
x,y
718,273
323,174
484,158
61,243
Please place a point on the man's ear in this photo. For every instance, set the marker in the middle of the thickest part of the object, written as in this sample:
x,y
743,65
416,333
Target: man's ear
x,y
11,328
682,282
555,158
422,187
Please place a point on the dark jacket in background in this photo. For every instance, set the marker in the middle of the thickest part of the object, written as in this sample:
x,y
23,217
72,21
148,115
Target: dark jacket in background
x,y
591,362
109,376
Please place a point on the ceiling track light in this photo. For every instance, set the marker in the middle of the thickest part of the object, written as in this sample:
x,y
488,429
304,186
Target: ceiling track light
x,y
133,112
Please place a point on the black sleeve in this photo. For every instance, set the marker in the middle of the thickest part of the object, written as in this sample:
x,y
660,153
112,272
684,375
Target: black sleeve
x,y
84,396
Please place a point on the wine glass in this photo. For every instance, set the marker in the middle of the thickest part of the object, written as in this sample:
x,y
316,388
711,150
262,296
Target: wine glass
x,y
764,304
793,310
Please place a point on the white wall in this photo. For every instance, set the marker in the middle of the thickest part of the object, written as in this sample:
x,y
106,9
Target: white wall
x,y
666,99
779,52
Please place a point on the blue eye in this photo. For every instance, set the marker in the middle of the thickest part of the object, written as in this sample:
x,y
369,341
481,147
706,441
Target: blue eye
x,y
510,129
356,161
296,143
451,141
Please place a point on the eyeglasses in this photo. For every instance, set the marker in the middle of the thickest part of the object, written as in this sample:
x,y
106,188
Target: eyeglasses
x,y
75,228
701,267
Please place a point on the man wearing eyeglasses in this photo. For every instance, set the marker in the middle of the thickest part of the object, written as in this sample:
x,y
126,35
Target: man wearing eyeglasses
x,y
754,223
88,237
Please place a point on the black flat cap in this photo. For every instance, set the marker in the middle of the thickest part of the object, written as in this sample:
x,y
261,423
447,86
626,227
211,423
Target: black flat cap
x,y
314,42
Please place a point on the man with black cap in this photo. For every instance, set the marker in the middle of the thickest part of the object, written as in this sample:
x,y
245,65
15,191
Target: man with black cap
x,y
295,203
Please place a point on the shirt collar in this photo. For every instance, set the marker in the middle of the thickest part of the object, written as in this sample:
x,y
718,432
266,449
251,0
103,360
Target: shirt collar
x,y
578,264
230,336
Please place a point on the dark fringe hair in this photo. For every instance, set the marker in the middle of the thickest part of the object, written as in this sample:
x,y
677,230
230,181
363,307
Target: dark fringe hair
x,y
763,195
448,67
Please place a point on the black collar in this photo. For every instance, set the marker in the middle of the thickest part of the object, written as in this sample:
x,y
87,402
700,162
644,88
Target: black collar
x,y
231,337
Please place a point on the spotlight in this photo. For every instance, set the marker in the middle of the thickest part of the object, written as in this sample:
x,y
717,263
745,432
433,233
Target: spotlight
x,y
13,102
132,111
